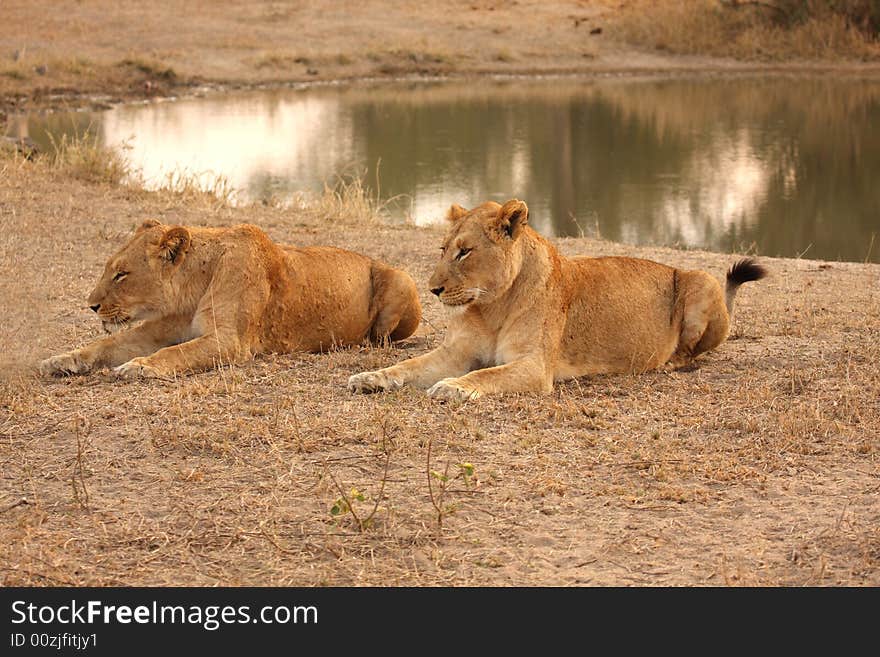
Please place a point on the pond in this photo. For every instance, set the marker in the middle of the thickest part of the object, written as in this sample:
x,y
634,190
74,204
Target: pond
x,y
783,165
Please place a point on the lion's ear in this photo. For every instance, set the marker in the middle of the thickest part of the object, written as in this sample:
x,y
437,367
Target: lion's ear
x,y
455,212
174,244
512,216
148,223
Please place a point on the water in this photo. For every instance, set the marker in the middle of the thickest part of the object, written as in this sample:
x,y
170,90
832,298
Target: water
x,y
773,166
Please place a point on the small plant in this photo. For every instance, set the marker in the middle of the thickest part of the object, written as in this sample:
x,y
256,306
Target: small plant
x,y
345,503
443,479
81,430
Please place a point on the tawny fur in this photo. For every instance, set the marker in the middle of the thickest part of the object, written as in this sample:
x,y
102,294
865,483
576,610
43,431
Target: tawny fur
x,y
189,299
526,316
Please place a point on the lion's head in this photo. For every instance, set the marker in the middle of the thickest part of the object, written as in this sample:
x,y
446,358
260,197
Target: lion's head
x,y
135,284
481,254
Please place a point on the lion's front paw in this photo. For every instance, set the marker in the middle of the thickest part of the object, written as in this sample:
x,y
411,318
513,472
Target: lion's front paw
x,y
372,382
138,368
453,390
63,364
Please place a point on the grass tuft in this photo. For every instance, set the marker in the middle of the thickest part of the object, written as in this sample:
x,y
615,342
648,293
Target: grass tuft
x,y
347,199
83,157
193,187
747,30
150,67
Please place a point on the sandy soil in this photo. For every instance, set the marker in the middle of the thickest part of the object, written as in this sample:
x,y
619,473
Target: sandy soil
x,y
758,467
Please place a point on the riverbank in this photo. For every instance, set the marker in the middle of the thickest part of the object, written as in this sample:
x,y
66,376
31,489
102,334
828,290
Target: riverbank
x,y
72,54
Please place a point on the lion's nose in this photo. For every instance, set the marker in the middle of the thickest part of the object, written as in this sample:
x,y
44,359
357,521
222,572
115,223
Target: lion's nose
x,y
96,307
437,290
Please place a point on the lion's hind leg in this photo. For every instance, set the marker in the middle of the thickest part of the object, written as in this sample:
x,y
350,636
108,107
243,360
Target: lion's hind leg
x,y
396,303
704,320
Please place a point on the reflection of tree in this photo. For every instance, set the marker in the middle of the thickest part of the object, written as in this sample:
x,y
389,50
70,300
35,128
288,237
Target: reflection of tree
x,y
835,206
780,163
563,203
582,155
814,141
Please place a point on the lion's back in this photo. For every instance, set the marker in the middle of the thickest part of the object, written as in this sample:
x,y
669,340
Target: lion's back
x,y
318,296
621,317
323,298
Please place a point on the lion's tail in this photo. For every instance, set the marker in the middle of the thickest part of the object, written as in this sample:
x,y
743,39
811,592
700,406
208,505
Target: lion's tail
x,y
741,272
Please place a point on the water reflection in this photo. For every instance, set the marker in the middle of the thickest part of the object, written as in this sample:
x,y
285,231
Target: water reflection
x,y
780,166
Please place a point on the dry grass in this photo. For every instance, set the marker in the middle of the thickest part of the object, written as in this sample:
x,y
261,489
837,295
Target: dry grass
x,y
153,68
83,157
194,188
22,67
759,467
750,32
349,198
283,60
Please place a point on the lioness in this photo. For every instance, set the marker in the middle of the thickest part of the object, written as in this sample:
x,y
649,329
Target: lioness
x,y
527,316
209,296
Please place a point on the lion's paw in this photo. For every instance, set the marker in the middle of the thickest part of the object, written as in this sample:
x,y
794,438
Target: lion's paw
x,y
453,390
64,364
366,382
138,368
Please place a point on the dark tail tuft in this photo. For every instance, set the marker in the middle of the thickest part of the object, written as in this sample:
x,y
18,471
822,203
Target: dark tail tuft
x,y
744,271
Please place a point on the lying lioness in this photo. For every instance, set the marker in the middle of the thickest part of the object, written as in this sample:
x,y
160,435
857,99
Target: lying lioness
x,y
212,296
527,316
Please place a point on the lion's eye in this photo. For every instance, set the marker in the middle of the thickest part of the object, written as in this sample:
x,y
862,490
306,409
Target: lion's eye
x,y
462,253
120,275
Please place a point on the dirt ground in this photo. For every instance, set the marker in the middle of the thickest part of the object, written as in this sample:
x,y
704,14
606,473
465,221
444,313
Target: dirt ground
x,y
761,466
